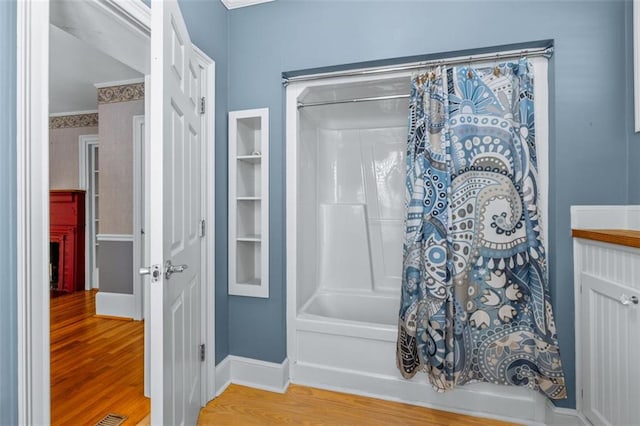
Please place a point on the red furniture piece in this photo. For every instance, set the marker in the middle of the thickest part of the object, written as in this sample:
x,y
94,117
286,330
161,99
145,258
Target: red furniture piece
x,y
67,239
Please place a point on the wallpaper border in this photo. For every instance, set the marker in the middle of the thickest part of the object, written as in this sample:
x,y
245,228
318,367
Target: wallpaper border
x,y
75,120
125,93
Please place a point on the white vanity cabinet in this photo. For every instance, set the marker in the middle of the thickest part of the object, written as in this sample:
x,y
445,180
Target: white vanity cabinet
x,y
607,318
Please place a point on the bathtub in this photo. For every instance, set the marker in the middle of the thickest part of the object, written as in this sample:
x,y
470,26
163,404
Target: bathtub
x,y
345,196
378,309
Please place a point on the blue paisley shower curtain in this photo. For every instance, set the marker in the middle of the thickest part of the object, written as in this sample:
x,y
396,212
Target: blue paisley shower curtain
x,y
475,302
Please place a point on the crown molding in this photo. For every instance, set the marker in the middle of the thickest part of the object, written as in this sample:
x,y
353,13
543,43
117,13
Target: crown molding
x,y
235,4
119,83
64,114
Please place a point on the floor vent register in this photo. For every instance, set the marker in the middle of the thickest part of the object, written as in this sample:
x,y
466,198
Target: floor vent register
x,y
112,419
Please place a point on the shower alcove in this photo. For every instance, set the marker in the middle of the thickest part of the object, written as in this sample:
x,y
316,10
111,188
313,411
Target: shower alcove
x,y
345,217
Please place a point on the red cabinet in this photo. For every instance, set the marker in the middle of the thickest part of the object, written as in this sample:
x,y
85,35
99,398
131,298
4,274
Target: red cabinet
x,y
67,239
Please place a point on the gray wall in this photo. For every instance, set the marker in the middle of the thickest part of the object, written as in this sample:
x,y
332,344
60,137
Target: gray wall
x,y
115,183
589,141
207,24
8,330
63,156
115,186
115,260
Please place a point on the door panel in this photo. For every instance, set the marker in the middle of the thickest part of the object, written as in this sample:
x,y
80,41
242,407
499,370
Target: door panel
x,y
175,198
610,349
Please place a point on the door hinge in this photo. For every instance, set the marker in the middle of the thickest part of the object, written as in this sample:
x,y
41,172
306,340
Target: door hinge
x,y
203,104
203,228
202,352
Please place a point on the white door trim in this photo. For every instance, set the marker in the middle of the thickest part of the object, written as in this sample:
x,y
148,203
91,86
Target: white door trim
x,y
85,143
147,257
208,204
138,220
32,211
32,205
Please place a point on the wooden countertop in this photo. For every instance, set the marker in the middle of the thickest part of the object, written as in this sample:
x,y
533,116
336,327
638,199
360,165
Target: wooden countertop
x,y
623,237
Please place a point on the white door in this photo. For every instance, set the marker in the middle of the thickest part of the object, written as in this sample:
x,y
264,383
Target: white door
x,y
611,349
174,218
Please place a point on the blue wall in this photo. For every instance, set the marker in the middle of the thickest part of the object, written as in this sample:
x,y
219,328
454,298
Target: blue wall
x,y
591,87
8,318
207,24
634,139
589,140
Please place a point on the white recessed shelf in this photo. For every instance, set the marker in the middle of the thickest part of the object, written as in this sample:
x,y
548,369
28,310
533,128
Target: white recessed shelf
x,y
253,282
256,238
248,203
253,159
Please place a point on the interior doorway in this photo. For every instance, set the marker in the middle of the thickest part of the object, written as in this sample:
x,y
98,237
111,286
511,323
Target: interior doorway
x,y
95,154
89,175
120,29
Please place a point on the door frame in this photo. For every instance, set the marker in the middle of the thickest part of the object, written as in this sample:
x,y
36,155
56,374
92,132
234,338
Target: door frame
x,y
140,241
85,145
208,206
32,202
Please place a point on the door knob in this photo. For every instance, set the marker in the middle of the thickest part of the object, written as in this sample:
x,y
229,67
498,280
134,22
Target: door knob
x,y
628,300
170,269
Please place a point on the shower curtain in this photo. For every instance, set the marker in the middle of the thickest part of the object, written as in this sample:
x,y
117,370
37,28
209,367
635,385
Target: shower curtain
x,y
475,303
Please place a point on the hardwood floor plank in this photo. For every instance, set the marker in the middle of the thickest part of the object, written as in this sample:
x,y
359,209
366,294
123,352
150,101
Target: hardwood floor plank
x,y
97,367
97,363
240,405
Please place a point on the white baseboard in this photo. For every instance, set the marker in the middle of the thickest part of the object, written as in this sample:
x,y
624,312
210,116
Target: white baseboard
x,y
254,373
115,304
223,375
275,378
556,416
481,400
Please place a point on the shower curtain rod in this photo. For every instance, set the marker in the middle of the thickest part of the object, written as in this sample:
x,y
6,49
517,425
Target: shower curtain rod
x,y
481,57
352,101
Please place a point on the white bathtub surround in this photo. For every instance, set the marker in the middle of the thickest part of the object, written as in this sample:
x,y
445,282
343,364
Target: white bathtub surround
x,y
337,351
254,373
345,215
343,234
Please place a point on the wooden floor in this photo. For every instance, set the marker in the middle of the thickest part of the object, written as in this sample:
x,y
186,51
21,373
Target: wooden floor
x,y
97,368
97,364
240,405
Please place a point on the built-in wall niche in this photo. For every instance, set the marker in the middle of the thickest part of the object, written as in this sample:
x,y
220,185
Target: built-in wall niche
x,y
249,203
